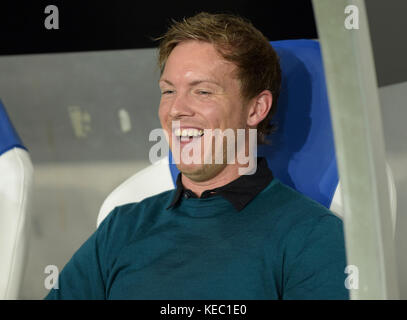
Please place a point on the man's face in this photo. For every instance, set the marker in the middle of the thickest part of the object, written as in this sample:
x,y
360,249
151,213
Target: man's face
x,y
200,90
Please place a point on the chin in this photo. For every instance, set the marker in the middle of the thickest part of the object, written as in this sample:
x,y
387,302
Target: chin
x,y
200,172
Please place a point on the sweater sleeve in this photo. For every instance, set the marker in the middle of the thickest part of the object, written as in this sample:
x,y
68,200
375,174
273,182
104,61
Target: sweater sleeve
x,y
315,261
83,277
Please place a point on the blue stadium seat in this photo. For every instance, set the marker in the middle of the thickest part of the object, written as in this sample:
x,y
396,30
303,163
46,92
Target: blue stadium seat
x,y
16,172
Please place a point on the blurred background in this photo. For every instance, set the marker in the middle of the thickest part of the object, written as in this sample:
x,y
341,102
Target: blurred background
x,y
84,99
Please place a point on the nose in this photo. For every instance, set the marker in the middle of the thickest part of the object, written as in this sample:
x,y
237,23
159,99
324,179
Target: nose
x,y
180,106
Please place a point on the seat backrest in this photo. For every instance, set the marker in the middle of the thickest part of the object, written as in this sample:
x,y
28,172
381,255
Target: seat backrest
x,y
16,175
302,150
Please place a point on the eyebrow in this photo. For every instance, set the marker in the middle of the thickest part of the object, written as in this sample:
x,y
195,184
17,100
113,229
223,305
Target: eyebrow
x,y
193,83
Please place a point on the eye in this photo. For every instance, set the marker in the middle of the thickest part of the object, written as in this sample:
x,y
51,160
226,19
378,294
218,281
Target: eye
x,y
167,92
204,92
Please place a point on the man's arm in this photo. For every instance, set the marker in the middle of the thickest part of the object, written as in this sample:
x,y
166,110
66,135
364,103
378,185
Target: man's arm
x,y
316,260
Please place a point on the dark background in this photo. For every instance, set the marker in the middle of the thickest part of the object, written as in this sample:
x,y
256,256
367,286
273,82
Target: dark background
x,y
112,25
98,25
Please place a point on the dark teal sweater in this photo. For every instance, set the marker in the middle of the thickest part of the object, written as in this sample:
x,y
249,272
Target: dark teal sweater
x,y
282,245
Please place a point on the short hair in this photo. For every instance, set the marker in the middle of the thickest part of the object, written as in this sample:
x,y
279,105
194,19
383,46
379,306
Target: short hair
x,y
238,41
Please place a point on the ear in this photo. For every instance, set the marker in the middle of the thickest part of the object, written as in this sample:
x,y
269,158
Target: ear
x,y
259,107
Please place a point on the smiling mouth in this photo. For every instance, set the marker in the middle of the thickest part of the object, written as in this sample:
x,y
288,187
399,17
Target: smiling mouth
x,y
188,133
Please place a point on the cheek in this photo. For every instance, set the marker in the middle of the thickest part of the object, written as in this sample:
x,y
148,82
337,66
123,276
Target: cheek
x,y
237,116
216,113
231,117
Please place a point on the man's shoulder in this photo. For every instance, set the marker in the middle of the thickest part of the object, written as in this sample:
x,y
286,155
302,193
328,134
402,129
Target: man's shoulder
x,y
136,213
160,200
289,205
299,225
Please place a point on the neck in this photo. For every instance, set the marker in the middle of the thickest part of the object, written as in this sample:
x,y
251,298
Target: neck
x,y
228,174
224,177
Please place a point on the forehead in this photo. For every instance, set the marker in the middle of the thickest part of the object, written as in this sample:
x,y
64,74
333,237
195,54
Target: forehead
x,y
194,59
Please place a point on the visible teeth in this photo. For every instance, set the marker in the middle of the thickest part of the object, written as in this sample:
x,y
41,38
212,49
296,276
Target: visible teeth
x,y
190,132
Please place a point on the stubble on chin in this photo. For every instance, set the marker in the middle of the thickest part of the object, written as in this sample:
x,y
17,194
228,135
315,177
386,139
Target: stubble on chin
x,y
202,172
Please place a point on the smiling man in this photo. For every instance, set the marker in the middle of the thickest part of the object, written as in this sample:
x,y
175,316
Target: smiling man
x,y
201,92
219,234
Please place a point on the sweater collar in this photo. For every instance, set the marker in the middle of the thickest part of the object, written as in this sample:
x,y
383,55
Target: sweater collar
x,y
239,192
